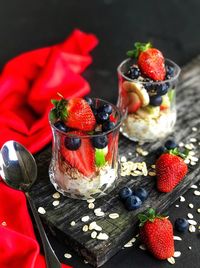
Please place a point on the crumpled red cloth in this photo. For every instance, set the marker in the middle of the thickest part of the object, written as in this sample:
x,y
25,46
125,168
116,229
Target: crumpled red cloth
x,y
27,84
29,81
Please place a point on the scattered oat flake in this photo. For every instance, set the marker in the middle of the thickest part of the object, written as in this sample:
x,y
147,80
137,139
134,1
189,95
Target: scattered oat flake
x,y
177,238
190,247
129,153
193,186
102,236
92,225
67,256
133,240
193,163
113,215
123,159
194,129
187,161
192,222
181,144
153,166
182,199
177,206
142,247
190,205
193,140
192,228
85,228
177,254
4,223
56,203
94,234
190,216
197,193
198,210
91,200
100,214
85,218
91,205
98,228
56,195
41,210
171,260
194,158
152,173
128,245
85,261
97,210
72,223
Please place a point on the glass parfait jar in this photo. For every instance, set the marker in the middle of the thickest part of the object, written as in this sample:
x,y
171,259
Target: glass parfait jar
x,y
148,107
87,172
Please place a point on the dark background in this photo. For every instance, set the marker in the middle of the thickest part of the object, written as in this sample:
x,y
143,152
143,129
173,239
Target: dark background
x,y
173,26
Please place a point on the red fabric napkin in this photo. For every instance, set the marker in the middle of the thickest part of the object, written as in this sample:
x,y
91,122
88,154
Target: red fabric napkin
x,y
27,84
29,81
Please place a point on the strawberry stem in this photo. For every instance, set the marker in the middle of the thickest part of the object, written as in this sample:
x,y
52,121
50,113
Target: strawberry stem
x,y
60,110
138,48
149,215
177,152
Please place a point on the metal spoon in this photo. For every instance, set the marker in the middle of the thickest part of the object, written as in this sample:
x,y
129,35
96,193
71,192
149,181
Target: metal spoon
x,y
19,171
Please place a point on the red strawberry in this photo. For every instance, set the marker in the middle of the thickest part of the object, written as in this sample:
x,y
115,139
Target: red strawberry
x,y
170,170
112,147
81,159
157,234
134,102
150,60
75,113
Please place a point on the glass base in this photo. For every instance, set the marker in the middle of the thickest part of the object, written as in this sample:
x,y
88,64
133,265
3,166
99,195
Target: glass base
x,y
82,188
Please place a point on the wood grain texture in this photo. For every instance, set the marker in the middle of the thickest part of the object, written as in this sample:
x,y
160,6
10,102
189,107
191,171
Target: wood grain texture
x,y
122,229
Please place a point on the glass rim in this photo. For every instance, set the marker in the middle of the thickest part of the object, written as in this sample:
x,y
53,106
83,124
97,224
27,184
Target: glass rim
x,y
147,82
67,134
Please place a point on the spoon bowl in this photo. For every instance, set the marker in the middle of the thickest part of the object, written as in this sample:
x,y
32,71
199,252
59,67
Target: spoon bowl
x,y
19,169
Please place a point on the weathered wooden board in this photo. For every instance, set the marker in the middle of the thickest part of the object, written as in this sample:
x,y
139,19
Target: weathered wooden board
x,y
122,229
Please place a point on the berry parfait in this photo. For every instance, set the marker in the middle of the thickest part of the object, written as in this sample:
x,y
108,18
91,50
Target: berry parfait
x,y
147,83
84,160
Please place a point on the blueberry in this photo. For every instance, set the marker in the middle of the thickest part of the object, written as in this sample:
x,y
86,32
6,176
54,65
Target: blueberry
x,y
141,193
72,143
181,224
89,100
105,108
61,126
170,144
133,72
155,100
162,89
107,126
102,117
133,202
125,192
100,141
160,151
169,71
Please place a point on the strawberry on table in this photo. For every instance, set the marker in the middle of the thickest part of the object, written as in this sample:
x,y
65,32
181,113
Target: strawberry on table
x,y
150,60
156,232
170,170
81,154
75,113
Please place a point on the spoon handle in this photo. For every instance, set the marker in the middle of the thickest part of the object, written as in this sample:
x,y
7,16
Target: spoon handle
x,y
51,259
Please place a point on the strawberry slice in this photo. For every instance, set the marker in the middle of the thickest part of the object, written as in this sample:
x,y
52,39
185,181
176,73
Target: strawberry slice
x,y
75,113
134,102
150,60
112,147
83,158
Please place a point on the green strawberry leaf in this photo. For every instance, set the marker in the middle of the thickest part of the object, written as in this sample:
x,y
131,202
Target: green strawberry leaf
x,y
53,115
100,157
177,152
138,47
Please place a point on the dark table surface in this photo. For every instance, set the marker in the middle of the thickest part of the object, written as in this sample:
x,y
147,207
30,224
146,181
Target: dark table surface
x,y
173,26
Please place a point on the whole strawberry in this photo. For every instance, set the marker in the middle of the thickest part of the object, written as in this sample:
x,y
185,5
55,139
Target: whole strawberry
x,y
150,60
75,113
156,233
170,170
